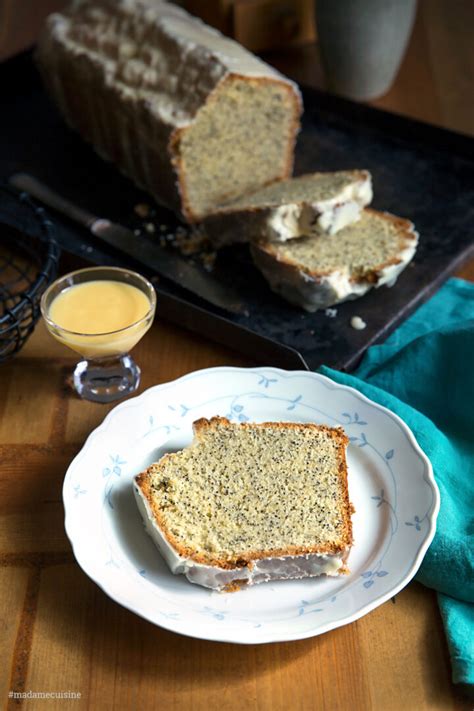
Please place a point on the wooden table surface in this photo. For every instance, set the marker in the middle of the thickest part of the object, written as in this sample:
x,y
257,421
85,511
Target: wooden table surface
x,y
60,632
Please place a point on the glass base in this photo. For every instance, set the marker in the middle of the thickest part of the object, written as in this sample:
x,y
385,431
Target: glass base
x,y
106,379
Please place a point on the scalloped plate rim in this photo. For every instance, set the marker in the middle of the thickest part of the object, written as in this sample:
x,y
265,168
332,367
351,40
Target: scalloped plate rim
x,y
361,611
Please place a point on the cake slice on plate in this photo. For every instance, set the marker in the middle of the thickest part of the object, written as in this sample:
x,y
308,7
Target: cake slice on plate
x,y
248,503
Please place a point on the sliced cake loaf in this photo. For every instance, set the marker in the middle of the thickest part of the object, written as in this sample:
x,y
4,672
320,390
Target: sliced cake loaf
x,y
187,113
316,272
248,503
317,203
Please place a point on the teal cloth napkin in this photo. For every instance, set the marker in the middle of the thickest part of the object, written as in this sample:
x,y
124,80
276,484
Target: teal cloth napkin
x,y
424,373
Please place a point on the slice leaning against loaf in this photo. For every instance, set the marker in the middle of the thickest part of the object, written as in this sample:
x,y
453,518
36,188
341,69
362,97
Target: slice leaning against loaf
x,y
316,272
188,114
316,203
247,503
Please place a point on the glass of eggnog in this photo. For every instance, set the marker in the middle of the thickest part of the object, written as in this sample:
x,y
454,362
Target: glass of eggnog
x,y
101,313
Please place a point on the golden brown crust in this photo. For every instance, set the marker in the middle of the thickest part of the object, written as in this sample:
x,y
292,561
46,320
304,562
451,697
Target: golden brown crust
x,y
335,432
245,559
235,586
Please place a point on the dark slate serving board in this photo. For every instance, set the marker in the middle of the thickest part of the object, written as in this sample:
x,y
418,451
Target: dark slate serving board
x,y
419,172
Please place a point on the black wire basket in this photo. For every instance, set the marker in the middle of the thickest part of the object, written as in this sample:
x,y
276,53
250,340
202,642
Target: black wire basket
x,y
28,264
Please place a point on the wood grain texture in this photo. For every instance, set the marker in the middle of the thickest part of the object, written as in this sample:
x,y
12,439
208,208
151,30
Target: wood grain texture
x,y
449,36
383,633
59,631
13,584
31,393
99,645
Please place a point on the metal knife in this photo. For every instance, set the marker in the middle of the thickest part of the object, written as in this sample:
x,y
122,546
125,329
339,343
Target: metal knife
x,y
165,263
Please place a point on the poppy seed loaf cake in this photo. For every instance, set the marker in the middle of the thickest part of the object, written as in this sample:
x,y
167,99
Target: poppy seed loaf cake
x,y
315,203
248,503
316,272
188,114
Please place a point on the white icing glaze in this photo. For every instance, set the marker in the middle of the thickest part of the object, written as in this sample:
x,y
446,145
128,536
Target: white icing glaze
x,y
338,216
321,216
264,570
313,293
156,53
283,223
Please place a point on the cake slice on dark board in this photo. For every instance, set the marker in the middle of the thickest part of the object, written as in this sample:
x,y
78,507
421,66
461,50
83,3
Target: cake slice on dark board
x,y
315,203
316,272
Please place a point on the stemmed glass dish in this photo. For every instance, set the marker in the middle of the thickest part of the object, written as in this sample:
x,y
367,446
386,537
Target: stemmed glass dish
x,y
101,313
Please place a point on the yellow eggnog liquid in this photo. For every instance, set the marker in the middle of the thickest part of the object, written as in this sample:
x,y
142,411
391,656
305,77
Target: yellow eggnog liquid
x,y
94,313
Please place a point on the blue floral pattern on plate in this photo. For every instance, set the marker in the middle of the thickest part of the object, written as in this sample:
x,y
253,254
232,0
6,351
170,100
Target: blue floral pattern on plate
x,y
383,458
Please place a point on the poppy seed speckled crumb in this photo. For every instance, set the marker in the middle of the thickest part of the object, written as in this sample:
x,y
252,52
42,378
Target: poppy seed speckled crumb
x,y
242,493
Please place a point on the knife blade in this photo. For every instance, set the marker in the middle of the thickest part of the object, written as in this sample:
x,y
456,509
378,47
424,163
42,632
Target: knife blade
x,y
165,263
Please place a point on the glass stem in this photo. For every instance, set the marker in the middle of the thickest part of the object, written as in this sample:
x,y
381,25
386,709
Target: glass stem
x,y
106,379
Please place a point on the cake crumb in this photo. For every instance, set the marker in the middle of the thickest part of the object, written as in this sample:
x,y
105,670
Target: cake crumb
x,y
142,209
190,242
208,260
358,323
330,313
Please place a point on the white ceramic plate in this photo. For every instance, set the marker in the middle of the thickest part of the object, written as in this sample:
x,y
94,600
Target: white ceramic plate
x,y
390,481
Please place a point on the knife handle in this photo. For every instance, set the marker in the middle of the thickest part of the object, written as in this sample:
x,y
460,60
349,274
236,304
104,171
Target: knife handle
x,y
37,189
